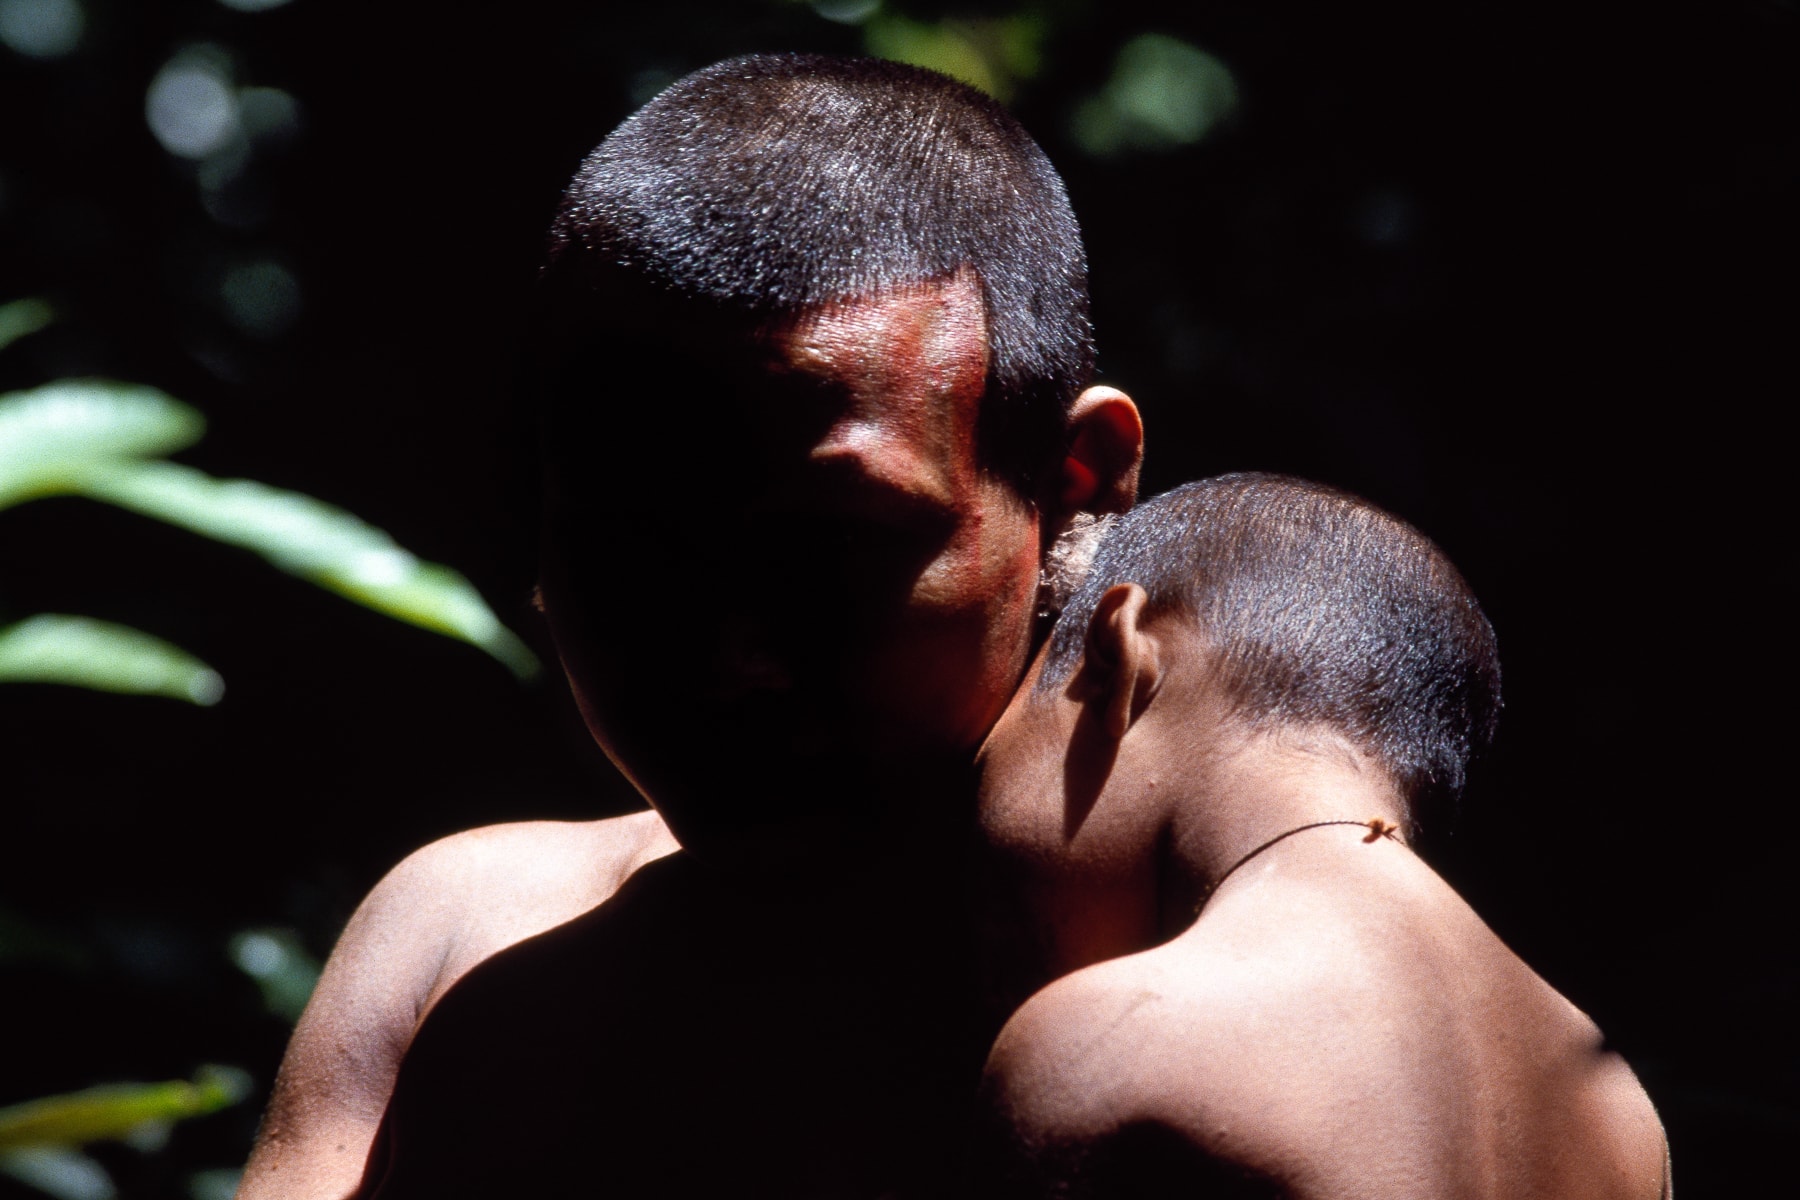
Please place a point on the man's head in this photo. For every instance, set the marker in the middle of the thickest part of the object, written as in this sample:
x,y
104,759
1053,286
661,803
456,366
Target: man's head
x,y
813,341
1316,610
764,187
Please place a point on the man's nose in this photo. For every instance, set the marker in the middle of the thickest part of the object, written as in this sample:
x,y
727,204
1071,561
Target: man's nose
x,y
748,661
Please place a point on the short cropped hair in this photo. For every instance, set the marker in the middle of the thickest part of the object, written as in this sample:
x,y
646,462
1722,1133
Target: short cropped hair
x,y
1322,610
771,184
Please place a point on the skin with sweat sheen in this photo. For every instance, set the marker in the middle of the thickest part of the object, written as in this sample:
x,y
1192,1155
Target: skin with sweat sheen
x,y
911,369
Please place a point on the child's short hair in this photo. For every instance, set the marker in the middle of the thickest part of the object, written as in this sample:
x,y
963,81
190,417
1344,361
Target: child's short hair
x,y
1324,610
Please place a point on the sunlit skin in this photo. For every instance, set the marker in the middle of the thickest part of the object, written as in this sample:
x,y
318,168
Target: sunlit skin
x,y
1330,1020
827,623
865,599
968,613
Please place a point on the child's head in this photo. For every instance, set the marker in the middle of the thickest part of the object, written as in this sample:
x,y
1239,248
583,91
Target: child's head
x,y
1318,609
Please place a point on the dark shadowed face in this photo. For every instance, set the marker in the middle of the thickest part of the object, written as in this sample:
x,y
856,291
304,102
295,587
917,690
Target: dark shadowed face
x,y
785,573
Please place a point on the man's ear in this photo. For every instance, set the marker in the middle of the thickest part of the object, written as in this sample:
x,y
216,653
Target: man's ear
x,y
1121,658
1106,448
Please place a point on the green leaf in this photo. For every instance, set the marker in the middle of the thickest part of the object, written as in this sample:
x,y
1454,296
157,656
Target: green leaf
x,y
94,437
51,432
114,1111
83,652
311,539
21,318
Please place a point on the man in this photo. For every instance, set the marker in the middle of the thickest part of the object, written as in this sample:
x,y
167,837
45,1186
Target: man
x,y
1204,802
814,355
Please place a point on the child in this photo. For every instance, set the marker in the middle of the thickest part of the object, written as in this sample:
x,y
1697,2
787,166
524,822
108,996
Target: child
x,y
1202,800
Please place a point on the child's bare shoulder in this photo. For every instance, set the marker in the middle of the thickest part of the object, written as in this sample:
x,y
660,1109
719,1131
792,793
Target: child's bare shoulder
x,y
1176,1020
1223,1064
1277,1051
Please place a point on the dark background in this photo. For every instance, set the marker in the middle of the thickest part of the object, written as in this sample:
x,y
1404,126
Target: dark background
x,y
1511,271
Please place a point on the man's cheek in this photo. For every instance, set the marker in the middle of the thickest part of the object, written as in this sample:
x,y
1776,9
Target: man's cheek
x,y
952,673
1008,628
934,690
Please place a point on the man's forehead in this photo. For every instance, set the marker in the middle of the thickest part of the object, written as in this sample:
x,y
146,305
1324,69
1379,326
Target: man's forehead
x,y
929,337
905,367
905,372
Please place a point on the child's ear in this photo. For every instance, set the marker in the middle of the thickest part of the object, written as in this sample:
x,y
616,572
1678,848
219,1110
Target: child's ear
x,y
1122,658
1106,448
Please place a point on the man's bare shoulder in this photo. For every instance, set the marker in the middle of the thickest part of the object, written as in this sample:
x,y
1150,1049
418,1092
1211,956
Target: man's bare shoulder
x,y
437,914
475,893
464,898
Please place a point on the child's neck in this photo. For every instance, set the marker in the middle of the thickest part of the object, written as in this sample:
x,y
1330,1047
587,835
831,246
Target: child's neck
x,y
1265,788
1074,902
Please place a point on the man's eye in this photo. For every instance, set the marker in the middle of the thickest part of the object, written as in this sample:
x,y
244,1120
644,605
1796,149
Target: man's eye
x,y
857,545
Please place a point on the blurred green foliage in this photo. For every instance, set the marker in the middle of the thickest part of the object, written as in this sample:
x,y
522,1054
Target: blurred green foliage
x,y
222,135
41,1140
118,1111
84,652
102,439
995,54
283,970
1163,93
19,318
1387,245
105,440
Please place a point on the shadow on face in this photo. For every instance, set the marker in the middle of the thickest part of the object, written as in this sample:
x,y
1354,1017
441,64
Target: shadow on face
x,y
774,565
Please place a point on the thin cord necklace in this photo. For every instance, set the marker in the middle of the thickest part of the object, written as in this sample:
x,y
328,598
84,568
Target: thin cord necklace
x,y
1377,828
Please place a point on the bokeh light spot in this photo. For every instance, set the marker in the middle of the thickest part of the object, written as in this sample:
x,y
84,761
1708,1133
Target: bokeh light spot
x,y
937,46
61,1172
268,114
191,106
215,1183
259,955
41,28
261,297
1163,93
284,972
846,12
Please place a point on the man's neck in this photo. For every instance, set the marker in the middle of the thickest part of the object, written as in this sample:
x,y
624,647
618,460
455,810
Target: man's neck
x,y
875,842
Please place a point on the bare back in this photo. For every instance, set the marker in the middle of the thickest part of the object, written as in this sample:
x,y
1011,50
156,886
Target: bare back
x,y
1336,1023
442,911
